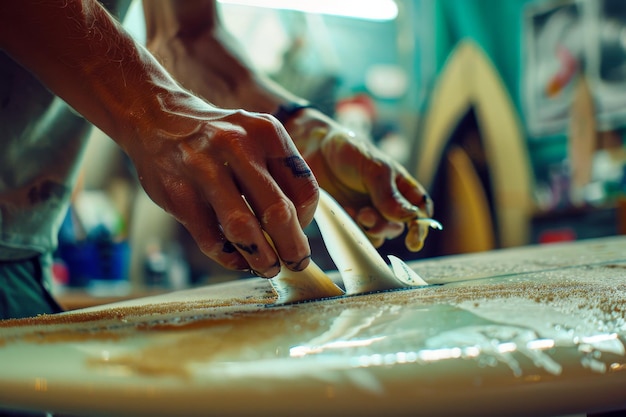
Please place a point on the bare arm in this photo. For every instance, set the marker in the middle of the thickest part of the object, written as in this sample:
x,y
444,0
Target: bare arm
x,y
77,50
188,38
194,160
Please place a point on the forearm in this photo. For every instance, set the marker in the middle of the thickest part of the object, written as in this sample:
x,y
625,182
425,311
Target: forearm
x,y
82,54
185,33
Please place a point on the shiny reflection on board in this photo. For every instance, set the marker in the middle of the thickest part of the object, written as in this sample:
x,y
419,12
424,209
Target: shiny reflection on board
x,y
392,335
346,339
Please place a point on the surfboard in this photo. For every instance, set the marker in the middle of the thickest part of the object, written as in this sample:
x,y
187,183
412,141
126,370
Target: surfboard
x,y
536,330
469,80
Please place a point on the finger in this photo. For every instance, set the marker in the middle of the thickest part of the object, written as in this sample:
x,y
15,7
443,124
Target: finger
x,y
380,181
277,216
201,223
280,221
296,180
345,157
376,226
369,173
415,193
299,185
241,227
282,191
416,235
367,218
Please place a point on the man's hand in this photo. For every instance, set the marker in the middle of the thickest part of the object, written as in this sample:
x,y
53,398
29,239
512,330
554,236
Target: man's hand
x,y
228,176
374,189
209,169
188,38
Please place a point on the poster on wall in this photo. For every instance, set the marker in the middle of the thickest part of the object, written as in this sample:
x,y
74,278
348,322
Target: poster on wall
x,y
562,40
553,56
607,61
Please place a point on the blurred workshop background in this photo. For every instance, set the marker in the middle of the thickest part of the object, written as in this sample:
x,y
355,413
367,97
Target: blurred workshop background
x,y
510,112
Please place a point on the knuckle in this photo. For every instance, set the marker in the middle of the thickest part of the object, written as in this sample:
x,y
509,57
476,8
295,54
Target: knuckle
x,y
228,141
238,224
221,136
279,212
268,120
230,134
257,120
272,127
211,248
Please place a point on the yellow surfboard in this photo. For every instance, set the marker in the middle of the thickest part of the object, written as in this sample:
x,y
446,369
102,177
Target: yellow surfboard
x,y
470,81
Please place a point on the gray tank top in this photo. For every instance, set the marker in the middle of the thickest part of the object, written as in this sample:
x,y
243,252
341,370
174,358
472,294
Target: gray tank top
x,y
41,142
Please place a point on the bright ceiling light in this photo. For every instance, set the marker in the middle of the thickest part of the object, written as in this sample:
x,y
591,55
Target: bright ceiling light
x,y
379,10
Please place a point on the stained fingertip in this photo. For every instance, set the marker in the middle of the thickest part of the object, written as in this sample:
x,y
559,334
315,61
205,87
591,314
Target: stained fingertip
x,y
415,237
273,271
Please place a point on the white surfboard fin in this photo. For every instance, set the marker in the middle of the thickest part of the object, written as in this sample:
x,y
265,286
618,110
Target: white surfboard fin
x,y
309,284
361,267
404,273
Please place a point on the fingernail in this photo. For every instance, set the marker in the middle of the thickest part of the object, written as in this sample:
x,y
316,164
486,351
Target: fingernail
x,y
268,273
257,273
297,266
412,209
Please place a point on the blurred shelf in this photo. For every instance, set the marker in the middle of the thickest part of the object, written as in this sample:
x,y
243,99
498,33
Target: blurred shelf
x,y
575,223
